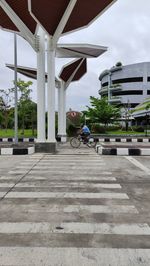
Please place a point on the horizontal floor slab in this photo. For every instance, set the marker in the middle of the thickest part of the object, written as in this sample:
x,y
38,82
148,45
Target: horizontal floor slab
x,y
75,228
38,256
68,178
62,185
66,195
87,208
2,194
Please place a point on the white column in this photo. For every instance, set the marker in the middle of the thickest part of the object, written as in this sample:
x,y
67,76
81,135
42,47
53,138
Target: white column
x,y
62,112
41,88
51,90
15,87
64,138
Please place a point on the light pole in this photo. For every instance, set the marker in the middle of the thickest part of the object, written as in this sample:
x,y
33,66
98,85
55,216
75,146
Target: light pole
x,y
146,108
15,87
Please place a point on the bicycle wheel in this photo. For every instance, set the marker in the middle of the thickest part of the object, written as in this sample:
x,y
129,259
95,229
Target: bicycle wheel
x,y
91,143
75,142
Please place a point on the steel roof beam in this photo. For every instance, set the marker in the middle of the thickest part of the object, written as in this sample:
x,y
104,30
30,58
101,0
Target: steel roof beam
x,y
64,20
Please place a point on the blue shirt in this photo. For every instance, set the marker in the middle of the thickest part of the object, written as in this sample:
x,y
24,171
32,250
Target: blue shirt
x,y
85,129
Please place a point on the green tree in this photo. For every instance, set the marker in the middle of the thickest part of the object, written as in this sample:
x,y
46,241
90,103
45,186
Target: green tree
x,y
147,107
102,112
33,116
5,106
24,103
30,116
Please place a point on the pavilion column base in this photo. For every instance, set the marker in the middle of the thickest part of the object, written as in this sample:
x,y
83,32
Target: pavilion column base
x,y
62,138
45,147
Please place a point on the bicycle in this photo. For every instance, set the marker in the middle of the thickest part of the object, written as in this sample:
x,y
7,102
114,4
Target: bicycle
x,y
75,142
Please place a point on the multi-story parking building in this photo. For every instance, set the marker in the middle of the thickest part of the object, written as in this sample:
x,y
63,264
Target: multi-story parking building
x,y
126,85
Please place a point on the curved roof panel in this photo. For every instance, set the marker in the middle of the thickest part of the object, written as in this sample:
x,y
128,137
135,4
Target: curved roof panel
x,y
85,12
49,13
75,69
81,71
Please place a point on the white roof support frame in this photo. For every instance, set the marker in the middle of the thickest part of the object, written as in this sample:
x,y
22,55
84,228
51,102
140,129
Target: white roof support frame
x,y
24,31
62,101
53,35
51,51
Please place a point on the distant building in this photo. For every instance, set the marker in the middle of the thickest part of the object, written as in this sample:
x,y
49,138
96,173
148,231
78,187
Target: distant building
x,y
73,117
126,85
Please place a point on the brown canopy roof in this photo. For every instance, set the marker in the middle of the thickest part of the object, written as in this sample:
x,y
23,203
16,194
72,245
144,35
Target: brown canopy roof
x,y
29,72
49,13
5,22
77,67
21,9
26,71
65,74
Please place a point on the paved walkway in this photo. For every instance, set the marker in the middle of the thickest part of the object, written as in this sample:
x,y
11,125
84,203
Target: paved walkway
x,y
74,208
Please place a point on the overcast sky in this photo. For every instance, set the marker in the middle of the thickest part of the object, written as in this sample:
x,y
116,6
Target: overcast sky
x,y
124,28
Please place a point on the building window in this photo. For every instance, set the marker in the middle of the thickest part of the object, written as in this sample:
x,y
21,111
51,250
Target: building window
x,y
127,80
148,92
104,84
132,105
130,92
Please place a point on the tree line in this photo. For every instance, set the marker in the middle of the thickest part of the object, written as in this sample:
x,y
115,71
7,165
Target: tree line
x,y
27,109
99,111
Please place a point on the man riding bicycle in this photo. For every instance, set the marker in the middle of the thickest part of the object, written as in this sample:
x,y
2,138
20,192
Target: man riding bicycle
x,y
84,136
85,132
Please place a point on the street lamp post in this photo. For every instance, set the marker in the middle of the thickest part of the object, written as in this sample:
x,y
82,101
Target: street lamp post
x,y
15,87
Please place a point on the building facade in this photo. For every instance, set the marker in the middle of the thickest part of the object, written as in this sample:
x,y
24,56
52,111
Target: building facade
x,y
126,85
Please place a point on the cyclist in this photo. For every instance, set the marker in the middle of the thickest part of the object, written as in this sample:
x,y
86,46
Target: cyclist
x,y
85,132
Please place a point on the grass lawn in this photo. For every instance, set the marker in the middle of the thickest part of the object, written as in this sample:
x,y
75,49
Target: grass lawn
x,y
120,132
10,133
28,133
